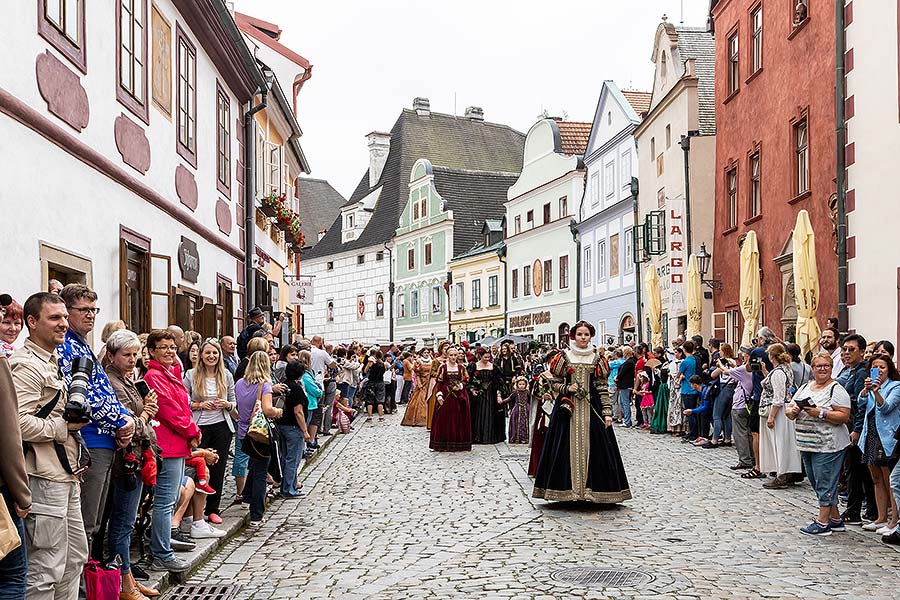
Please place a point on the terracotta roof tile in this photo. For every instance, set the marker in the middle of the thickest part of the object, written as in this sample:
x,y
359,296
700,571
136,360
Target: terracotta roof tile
x,y
639,101
574,136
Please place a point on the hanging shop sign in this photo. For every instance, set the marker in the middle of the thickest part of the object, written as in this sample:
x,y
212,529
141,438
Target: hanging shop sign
x,y
189,260
302,292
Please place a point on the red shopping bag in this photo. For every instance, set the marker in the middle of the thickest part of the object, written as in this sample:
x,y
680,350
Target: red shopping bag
x,y
100,583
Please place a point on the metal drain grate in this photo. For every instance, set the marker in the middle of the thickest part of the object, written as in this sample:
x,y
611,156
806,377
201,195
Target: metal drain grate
x,y
203,592
606,578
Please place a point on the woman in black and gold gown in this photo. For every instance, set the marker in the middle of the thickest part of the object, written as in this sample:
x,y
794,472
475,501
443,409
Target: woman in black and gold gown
x,y
488,415
580,459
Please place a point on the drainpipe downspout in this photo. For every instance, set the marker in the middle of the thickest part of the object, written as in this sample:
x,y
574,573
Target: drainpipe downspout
x,y
390,292
573,226
686,147
250,192
501,253
840,119
637,265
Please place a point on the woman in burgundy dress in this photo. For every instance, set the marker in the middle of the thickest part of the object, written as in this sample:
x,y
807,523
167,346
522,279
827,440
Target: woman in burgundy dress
x,y
451,427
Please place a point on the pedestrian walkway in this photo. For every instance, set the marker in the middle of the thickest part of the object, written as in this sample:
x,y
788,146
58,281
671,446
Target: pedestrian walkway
x,y
386,518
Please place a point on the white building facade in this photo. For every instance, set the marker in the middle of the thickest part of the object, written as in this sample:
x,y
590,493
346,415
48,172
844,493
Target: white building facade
x,y
606,220
124,141
541,251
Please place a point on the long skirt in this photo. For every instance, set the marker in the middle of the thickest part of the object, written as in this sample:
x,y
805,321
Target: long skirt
x,y
416,414
778,446
451,428
676,410
488,419
431,399
518,423
599,476
661,410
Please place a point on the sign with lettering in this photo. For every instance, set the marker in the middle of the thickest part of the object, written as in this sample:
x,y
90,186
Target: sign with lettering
x,y
302,292
188,260
526,323
677,257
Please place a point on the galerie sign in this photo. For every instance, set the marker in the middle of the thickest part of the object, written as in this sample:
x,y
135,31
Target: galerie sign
x,y
302,292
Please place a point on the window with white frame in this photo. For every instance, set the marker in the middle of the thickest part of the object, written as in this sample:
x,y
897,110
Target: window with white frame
x,y
595,189
436,298
601,260
626,169
401,305
801,156
609,179
564,272
273,168
756,24
518,222
588,268
414,302
548,275
526,280
493,290
731,179
755,185
628,255
132,42
734,71
476,293
459,292
563,207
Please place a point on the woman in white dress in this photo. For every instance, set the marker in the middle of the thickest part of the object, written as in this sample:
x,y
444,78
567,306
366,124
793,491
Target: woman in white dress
x,y
777,440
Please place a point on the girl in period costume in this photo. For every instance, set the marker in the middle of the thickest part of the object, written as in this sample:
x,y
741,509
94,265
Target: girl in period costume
x,y
520,400
439,359
510,365
676,410
451,428
416,414
545,389
488,413
580,459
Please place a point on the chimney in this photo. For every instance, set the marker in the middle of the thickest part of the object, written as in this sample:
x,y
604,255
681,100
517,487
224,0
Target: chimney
x,y
379,147
475,113
422,107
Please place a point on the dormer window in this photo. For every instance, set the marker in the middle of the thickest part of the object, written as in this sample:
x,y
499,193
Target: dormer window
x,y
350,221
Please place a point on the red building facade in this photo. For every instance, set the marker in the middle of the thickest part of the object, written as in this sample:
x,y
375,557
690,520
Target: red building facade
x,y
775,151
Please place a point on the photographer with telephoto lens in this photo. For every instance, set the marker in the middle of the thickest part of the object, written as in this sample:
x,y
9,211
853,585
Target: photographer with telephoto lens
x,y
111,426
55,539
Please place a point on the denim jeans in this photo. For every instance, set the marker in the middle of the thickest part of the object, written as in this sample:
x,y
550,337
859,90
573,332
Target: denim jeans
x,y
895,483
255,489
824,470
165,496
122,517
722,413
292,447
625,406
689,401
13,566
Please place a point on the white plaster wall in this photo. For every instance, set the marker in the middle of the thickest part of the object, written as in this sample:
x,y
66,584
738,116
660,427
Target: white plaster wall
x,y
875,131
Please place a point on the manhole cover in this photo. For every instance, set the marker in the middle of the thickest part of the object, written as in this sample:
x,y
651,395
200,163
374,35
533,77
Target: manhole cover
x,y
607,578
203,592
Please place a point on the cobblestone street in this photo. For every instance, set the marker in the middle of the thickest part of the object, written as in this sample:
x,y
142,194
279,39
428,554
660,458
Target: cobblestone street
x,y
386,518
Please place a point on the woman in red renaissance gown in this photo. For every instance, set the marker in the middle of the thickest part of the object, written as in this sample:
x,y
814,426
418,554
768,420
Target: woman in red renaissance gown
x,y
451,427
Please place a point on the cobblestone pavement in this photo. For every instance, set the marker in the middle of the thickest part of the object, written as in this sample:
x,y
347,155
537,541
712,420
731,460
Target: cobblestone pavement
x,y
386,518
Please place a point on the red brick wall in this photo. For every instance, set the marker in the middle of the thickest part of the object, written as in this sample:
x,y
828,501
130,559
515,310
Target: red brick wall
x,y
798,68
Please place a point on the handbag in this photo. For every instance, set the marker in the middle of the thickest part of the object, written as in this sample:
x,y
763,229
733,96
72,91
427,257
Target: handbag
x,y
100,583
9,534
259,429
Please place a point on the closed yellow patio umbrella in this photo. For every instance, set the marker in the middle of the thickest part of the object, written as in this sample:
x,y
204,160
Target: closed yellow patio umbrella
x,y
694,298
806,283
750,293
654,306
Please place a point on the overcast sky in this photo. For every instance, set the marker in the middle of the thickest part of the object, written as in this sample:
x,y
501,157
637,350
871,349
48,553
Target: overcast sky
x,y
512,58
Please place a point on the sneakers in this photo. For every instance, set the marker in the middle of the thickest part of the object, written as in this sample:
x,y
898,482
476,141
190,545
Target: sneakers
x,y
204,488
851,519
181,541
816,528
873,526
380,419
779,483
254,524
201,530
837,525
892,538
176,565
886,530
214,519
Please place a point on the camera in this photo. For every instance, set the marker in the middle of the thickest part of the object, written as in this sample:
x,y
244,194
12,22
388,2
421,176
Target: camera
x,y
755,364
78,409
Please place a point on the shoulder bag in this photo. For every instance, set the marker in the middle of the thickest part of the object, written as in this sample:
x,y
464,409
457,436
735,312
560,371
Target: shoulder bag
x,y
260,428
9,535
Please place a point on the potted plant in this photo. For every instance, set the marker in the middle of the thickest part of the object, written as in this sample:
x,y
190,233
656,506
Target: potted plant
x,y
270,204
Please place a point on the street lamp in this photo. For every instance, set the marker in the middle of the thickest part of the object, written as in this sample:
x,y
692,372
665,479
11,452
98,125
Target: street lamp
x,y
703,260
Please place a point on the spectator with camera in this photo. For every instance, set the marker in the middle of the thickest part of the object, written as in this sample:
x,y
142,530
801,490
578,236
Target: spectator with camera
x,y
55,456
176,435
256,326
110,426
126,487
13,477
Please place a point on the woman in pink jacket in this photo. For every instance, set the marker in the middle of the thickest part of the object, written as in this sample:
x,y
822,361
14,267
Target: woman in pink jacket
x,y
176,435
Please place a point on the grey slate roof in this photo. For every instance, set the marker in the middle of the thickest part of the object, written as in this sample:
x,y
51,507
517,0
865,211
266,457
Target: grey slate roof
x,y
480,249
447,141
699,44
474,197
320,204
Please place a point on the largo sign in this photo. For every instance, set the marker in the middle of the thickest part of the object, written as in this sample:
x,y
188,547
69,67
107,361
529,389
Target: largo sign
x,y
188,260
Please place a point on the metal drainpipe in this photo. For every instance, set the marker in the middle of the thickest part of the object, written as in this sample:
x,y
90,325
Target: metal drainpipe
x,y
250,200
840,118
391,292
686,146
577,239
502,255
637,265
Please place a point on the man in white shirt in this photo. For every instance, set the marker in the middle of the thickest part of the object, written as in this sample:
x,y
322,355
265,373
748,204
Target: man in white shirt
x,y
830,342
320,362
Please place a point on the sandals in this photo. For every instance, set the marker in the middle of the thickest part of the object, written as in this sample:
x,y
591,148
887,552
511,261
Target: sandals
x,y
753,474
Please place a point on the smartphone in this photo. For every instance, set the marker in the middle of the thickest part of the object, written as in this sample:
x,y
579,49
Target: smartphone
x,y
874,374
142,387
